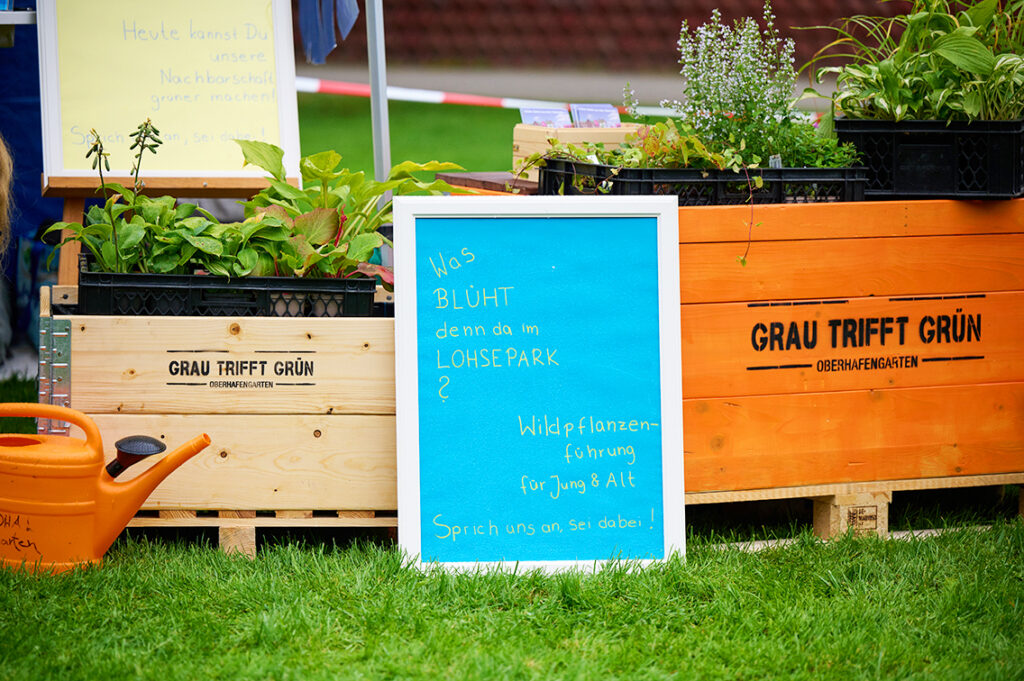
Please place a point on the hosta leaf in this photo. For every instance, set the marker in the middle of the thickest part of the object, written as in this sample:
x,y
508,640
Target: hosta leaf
x,y
164,263
972,103
320,167
965,52
95,214
247,260
204,244
288,191
119,189
187,251
184,210
219,268
406,168
264,155
130,236
264,266
982,12
108,257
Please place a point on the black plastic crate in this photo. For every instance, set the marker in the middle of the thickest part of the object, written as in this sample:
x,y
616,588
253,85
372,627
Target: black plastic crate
x,y
705,188
105,293
936,160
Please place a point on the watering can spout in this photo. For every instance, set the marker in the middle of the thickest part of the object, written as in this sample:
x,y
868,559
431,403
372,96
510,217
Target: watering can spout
x,y
121,500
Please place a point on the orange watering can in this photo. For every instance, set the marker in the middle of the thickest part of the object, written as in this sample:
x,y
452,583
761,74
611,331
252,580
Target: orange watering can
x,y
59,506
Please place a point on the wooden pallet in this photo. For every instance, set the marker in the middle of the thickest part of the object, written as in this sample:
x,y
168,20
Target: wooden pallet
x,y
237,529
862,508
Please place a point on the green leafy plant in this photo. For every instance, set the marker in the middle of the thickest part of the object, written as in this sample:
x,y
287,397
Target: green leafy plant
x,y
328,229
333,221
133,232
943,60
737,97
736,112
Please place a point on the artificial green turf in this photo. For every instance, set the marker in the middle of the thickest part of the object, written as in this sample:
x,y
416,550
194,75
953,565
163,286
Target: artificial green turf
x,y
477,138
947,607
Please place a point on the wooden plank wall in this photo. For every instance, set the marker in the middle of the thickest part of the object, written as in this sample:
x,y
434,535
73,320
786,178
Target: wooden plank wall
x,y
861,342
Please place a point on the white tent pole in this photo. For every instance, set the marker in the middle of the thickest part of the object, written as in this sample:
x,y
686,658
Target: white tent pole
x,y
378,89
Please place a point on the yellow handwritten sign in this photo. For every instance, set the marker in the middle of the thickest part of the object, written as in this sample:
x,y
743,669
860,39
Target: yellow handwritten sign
x,y
204,72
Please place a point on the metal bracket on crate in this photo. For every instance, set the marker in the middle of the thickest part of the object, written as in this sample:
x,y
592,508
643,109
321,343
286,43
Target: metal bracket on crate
x,y
54,371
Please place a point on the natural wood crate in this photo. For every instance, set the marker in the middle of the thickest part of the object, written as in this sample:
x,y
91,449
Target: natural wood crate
x,y
783,421
530,139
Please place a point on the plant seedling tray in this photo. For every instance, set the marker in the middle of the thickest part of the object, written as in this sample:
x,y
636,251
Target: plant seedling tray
x,y
193,295
706,188
936,160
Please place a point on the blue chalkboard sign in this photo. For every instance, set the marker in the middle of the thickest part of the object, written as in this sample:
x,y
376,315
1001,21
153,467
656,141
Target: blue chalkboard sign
x,y
538,376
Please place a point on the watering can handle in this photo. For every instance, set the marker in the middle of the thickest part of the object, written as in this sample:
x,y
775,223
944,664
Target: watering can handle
x,y
52,411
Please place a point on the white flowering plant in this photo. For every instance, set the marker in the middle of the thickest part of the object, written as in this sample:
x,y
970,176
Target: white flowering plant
x,y
737,96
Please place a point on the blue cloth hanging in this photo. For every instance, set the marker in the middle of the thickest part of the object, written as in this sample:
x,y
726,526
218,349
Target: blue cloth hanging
x,y
348,12
317,22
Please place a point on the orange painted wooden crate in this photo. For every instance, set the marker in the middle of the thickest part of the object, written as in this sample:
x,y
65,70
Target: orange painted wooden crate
x,y
864,348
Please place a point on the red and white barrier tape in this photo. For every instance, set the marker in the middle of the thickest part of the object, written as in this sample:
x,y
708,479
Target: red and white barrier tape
x,y
406,94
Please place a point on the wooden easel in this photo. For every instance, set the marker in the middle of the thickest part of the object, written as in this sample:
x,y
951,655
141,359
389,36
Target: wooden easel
x,y
208,113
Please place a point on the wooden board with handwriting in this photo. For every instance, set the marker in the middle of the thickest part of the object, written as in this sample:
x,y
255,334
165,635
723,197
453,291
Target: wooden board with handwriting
x,y
205,73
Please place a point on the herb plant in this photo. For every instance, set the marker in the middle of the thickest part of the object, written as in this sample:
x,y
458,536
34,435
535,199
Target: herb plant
x,y
943,60
334,220
133,232
737,96
328,229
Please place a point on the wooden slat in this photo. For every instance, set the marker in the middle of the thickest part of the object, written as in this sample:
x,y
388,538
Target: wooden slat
x,y
67,263
356,514
293,515
773,222
64,295
269,462
238,540
865,513
213,187
847,268
123,365
224,522
720,341
750,443
811,491
177,514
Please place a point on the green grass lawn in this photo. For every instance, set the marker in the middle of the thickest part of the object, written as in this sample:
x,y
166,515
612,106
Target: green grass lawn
x,y
947,607
477,138
169,604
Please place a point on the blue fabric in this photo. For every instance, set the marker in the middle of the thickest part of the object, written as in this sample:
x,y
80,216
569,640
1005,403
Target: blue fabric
x,y
316,24
348,12
21,127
